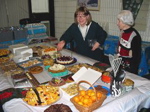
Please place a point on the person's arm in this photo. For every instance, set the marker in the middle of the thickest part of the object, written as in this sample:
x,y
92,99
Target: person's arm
x,y
101,35
68,34
66,37
60,45
136,53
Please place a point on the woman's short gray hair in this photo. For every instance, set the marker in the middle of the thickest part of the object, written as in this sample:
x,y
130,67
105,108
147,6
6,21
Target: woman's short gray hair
x,y
126,17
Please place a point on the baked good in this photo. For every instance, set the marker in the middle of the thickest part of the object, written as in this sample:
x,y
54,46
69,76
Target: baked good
x,y
68,79
4,59
47,94
128,84
58,108
30,63
100,88
64,60
4,52
106,77
44,50
35,69
46,56
48,62
19,76
32,79
48,51
56,68
76,67
57,82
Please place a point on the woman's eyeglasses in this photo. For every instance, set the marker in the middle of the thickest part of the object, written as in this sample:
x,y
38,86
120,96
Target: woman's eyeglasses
x,y
81,16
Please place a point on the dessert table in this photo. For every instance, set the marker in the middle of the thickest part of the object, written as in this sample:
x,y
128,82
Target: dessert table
x,y
131,101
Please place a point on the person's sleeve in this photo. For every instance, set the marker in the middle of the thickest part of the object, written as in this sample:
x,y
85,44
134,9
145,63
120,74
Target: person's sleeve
x,y
67,36
101,34
136,52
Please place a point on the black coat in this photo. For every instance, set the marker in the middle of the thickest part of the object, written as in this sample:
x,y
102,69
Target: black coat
x,y
95,32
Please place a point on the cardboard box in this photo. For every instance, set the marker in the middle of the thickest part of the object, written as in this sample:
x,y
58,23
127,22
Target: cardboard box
x,y
19,34
15,47
6,36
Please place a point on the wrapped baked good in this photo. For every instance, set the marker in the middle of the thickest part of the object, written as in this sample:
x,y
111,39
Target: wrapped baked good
x,y
128,84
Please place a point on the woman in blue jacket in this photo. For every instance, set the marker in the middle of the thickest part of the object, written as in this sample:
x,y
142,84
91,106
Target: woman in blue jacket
x,y
82,31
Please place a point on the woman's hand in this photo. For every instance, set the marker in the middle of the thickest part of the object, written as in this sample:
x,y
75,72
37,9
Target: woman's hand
x,y
60,45
96,45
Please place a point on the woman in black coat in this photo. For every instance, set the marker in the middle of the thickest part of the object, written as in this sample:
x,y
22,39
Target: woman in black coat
x,y
82,31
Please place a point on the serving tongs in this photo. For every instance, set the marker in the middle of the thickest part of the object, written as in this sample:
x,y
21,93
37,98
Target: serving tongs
x,y
37,94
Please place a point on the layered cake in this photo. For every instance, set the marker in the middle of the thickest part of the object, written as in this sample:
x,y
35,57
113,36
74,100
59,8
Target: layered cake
x,y
49,51
44,50
64,60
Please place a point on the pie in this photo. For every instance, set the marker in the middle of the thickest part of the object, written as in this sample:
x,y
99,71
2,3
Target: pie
x,y
64,60
35,69
57,68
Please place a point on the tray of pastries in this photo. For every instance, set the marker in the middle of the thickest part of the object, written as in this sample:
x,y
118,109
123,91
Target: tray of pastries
x,y
30,63
42,95
76,67
4,52
10,68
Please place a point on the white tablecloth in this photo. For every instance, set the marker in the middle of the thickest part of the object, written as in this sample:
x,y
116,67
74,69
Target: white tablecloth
x,y
132,101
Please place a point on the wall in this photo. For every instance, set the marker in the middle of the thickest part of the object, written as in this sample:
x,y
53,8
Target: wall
x,y
64,12
11,11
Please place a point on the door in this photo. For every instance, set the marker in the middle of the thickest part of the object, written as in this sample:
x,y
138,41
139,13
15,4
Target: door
x,y
45,15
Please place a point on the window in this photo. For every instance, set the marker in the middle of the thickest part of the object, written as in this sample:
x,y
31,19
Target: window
x,y
139,8
40,6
